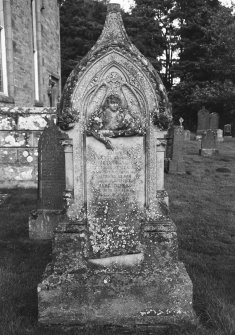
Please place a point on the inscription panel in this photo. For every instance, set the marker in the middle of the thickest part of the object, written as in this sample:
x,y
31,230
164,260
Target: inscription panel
x,y
115,195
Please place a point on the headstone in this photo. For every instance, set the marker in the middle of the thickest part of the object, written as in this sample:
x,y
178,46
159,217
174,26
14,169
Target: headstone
x,y
51,184
220,137
176,162
203,120
115,250
187,135
227,130
208,144
214,121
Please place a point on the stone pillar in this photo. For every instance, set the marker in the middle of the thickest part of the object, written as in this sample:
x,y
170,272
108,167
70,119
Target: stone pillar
x,y
161,194
68,150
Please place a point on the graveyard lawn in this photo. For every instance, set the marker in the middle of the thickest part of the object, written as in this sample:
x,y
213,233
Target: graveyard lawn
x,y
202,204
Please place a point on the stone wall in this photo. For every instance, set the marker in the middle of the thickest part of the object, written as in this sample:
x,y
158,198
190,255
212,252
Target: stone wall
x,y
20,129
20,51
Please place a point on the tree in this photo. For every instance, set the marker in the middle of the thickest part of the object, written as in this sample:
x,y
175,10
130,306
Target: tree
x,y
81,24
206,61
152,29
144,31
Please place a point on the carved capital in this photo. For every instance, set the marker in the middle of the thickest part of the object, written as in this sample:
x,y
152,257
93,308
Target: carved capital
x,y
68,145
161,142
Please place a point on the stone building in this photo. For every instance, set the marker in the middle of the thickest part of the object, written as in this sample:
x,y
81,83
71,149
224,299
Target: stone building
x,y
29,84
30,52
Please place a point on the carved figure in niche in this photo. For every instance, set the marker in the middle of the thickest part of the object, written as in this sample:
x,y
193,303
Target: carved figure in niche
x,y
113,120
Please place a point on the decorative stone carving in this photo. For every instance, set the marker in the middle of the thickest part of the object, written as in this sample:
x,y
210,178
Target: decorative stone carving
x,y
115,250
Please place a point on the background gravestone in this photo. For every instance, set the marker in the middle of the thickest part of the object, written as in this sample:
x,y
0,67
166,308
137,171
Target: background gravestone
x,y
51,177
203,120
208,144
187,135
51,184
228,130
115,255
175,151
220,137
214,121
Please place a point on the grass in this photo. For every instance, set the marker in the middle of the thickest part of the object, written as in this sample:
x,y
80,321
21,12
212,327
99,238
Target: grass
x,y
202,204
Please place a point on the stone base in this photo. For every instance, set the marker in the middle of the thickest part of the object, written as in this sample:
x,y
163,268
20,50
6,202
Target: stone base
x,y
117,296
148,288
176,166
208,152
42,224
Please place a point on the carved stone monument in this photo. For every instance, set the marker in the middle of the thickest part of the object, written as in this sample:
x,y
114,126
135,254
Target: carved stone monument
x,y
209,144
115,249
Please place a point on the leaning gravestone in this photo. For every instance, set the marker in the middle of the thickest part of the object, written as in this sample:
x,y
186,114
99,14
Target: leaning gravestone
x,y
203,120
208,144
51,184
115,250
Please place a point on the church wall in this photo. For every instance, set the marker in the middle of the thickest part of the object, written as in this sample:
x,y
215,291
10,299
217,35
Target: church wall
x,y
20,129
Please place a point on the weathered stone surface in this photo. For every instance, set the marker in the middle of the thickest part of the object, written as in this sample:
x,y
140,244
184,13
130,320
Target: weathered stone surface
x,y
51,167
20,49
115,249
20,129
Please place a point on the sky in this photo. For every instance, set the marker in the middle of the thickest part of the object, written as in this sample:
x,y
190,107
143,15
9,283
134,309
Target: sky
x,y
125,4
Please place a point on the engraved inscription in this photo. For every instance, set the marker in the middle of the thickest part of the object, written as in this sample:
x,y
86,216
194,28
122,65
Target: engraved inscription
x,y
115,195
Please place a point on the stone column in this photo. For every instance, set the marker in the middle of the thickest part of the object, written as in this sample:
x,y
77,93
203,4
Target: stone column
x,y
68,150
161,194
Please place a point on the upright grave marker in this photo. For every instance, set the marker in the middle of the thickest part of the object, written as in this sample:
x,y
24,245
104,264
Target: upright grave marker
x,y
208,144
214,121
203,120
175,159
51,184
115,250
227,130
220,137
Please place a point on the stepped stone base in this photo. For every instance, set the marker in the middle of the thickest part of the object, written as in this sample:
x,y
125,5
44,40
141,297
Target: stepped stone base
x,y
147,288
